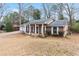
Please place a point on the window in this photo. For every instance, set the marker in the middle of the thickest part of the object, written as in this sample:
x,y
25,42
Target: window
x,y
54,30
27,29
37,29
32,29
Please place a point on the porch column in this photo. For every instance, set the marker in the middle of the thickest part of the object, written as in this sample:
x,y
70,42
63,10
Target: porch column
x,y
29,29
45,29
42,31
24,29
57,30
35,28
38,29
52,30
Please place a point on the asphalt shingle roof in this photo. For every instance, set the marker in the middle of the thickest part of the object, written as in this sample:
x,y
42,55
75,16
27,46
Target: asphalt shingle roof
x,y
59,23
40,21
50,22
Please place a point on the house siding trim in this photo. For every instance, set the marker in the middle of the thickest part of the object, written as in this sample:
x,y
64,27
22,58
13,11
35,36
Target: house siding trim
x,y
57,30
52,30
42,30
35,28
29,29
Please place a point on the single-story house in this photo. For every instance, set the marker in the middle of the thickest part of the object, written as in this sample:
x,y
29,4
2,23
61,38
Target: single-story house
x,y
45,27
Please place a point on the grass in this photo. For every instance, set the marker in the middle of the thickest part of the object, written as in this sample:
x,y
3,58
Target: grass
x,y
20,44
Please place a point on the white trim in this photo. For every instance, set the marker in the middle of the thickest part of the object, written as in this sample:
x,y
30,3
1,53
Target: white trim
x,y
29,29
42,30
38,29
24,28
35,28
21,28
45,29
52,30
57,30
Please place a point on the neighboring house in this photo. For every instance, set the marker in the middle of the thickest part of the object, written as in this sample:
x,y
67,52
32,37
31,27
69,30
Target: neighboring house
x,y
45,27
2,26
15,25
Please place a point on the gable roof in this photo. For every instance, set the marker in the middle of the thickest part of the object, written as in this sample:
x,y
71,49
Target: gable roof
x,y
50,22
40,21
59,23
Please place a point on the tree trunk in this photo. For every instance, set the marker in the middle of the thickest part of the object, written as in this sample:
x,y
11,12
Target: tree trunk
x,y
20,12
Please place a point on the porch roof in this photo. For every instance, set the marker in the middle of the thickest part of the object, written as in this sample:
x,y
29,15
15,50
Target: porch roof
x,y
40,21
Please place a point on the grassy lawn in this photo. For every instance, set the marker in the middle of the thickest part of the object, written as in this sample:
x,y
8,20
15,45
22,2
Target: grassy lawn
x,y
21,44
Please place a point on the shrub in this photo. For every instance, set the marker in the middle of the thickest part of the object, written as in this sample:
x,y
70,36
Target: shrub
x,y
8,24
75,27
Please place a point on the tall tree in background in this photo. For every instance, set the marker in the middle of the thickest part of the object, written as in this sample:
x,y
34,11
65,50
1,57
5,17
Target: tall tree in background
x,y
28,13
36,14
60,11
20,12
8,23
23,12
14,16
12,20
55,10
1,10
70,11
47,10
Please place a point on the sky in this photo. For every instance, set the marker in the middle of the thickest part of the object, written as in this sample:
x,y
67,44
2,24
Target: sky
x,y
14,7
36,5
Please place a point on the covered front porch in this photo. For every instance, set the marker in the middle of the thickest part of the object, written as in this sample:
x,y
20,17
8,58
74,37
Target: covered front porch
x,y
36,29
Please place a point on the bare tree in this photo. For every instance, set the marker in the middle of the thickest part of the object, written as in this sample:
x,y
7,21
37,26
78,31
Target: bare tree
x,y
30,12
25,11
53,9
1,10
60,7
20,12
70,11
47,10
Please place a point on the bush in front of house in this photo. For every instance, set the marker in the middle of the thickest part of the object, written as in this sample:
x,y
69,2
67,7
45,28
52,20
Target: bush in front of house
x,y
75,27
